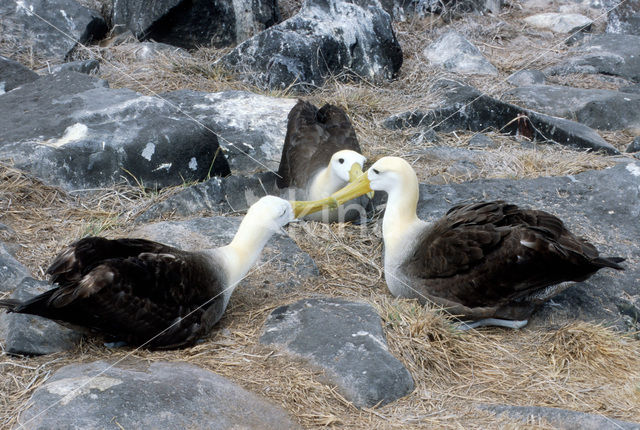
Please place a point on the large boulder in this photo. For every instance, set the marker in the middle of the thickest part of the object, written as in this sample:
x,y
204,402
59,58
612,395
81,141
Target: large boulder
x,y
607,54
466,108
624,18
326,38
138,394
455,53
34,335
194,23
14,74
599,109
71,130
346,340
49,28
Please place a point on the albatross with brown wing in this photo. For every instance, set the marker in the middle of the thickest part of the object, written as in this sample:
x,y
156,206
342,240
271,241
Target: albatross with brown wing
x,y
146,293
490,262
321,154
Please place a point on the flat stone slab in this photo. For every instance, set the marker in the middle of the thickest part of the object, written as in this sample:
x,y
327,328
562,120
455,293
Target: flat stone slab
x,y
562,418
14,74
12,272
599,109
455,53
608,54
346,340
34,335
141,395
559,22
466,108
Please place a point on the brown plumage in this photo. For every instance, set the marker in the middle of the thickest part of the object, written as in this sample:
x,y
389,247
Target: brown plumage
x,y
491,262
150,294
313,136
496,260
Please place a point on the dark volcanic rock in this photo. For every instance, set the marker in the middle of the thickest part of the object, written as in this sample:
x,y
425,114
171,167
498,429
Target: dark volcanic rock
x,y
200,233
562,418
251,127
467,108
33,335
13,74
153,396
634,146
12,272
609,54
327,37
81,66
599,109
193,23
401,10
73,131
455,53
219,195
624,18
49,28
603,206
527,77
346,339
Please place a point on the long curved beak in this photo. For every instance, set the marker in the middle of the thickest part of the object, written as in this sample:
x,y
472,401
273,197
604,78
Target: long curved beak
x,y
356,188
302,208
355,173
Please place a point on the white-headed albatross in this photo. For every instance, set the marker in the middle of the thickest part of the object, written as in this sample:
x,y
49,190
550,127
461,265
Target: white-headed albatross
x,y
491,262
146,293
321,154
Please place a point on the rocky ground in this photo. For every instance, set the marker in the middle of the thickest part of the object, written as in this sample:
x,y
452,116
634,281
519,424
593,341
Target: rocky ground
x,y
166,123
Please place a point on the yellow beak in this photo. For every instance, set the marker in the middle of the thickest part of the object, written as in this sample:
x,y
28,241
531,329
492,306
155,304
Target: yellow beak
x,y
356,188
355,173
302,208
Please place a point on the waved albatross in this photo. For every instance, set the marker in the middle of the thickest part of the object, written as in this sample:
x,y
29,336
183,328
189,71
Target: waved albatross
x,y
146,293
321,154
492,262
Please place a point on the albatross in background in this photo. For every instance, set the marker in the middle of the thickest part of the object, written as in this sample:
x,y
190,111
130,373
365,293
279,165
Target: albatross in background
x,y
492,263
321,154
146,293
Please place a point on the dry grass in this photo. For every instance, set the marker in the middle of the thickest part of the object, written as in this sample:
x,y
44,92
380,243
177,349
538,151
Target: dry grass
x,y
577,366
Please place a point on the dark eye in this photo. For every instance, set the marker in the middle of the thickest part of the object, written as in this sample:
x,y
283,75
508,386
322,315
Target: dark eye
x,y
341,160
375,171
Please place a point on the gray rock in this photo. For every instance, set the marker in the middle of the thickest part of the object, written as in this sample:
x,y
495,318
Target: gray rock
x,y
89,67
346,339
12,272
466,108
49,28
633,89
33,335
624,18
562,418
634,146
138,394
327,37
609,54
560,22
455,53
480,140
251,127
219,195
603,206
14,74
71,130
426,135
200,233
527,77
599,109
190,24
402,10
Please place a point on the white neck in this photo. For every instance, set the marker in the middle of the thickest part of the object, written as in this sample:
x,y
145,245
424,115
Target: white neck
x,y
324,183
241,254
400,220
